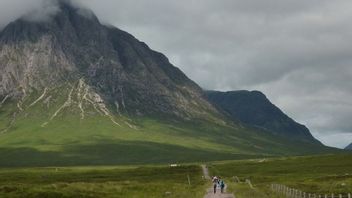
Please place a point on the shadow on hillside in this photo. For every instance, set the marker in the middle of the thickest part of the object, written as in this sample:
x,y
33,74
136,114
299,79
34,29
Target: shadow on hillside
x,y
109,153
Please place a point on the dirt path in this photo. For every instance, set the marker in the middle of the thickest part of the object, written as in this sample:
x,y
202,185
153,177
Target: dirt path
x,y
210,192
205,172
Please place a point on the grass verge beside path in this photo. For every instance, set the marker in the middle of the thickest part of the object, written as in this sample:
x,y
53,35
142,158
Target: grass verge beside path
x,y
242,190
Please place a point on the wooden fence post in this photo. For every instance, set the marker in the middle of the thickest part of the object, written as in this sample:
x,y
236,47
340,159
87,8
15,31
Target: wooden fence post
x,y
294,193
282,189
289,192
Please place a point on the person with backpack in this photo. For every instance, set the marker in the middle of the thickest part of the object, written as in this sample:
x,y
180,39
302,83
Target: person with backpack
x,y
222,185
215,183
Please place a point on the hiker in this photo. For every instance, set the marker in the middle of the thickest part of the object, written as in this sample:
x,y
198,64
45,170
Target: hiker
x,y
222,185
215,183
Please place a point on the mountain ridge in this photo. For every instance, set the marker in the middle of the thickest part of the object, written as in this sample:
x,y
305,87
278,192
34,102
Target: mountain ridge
x,y
255,109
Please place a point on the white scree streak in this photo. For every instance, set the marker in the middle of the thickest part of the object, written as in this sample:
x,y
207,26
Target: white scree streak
x,y
80,98
66,104
4,100
39,99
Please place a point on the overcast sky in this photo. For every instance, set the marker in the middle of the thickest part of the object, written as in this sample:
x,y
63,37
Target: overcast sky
x,y
298,52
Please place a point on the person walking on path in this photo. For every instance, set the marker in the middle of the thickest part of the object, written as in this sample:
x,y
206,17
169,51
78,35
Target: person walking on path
x,y
222,185
215,183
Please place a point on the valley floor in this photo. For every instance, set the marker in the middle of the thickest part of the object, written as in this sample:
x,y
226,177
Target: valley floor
x,y
95,182
312,174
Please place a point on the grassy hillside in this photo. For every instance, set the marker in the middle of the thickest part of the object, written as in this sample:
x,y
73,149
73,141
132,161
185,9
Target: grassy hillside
x,y
67,128
313,174
126,182
95,141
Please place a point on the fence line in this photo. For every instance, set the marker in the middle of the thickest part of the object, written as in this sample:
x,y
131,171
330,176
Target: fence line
x,y
294,193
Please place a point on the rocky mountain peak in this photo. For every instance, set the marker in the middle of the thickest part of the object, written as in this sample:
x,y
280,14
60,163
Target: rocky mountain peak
x,y
73,45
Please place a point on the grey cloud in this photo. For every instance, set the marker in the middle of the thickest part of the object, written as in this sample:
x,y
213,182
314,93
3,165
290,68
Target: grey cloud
x,y
340,140
11,10
44,12
296,52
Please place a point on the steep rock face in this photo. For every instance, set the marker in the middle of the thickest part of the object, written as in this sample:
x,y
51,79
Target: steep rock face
x,y
254,109
128,76
349,147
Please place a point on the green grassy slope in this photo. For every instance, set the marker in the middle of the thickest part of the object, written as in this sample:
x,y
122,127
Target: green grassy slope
x,y
312,174
59,132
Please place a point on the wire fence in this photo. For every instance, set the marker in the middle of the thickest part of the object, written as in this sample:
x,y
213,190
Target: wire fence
x,y
294,193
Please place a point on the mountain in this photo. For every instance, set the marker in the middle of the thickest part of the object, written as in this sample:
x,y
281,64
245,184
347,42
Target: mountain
x,y
77,50
349,147
254,109
76,92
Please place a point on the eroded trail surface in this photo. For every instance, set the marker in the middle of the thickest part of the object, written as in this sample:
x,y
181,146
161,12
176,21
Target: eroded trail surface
x,y
210,192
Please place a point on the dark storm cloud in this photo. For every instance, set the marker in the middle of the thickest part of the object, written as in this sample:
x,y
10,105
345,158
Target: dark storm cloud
x,y
297,52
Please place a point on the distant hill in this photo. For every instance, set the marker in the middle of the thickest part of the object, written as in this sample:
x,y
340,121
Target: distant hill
x,y
349,147
253,108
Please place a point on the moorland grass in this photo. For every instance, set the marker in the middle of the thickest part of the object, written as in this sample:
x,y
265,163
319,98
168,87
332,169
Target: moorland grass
x,y
126,182
313,174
